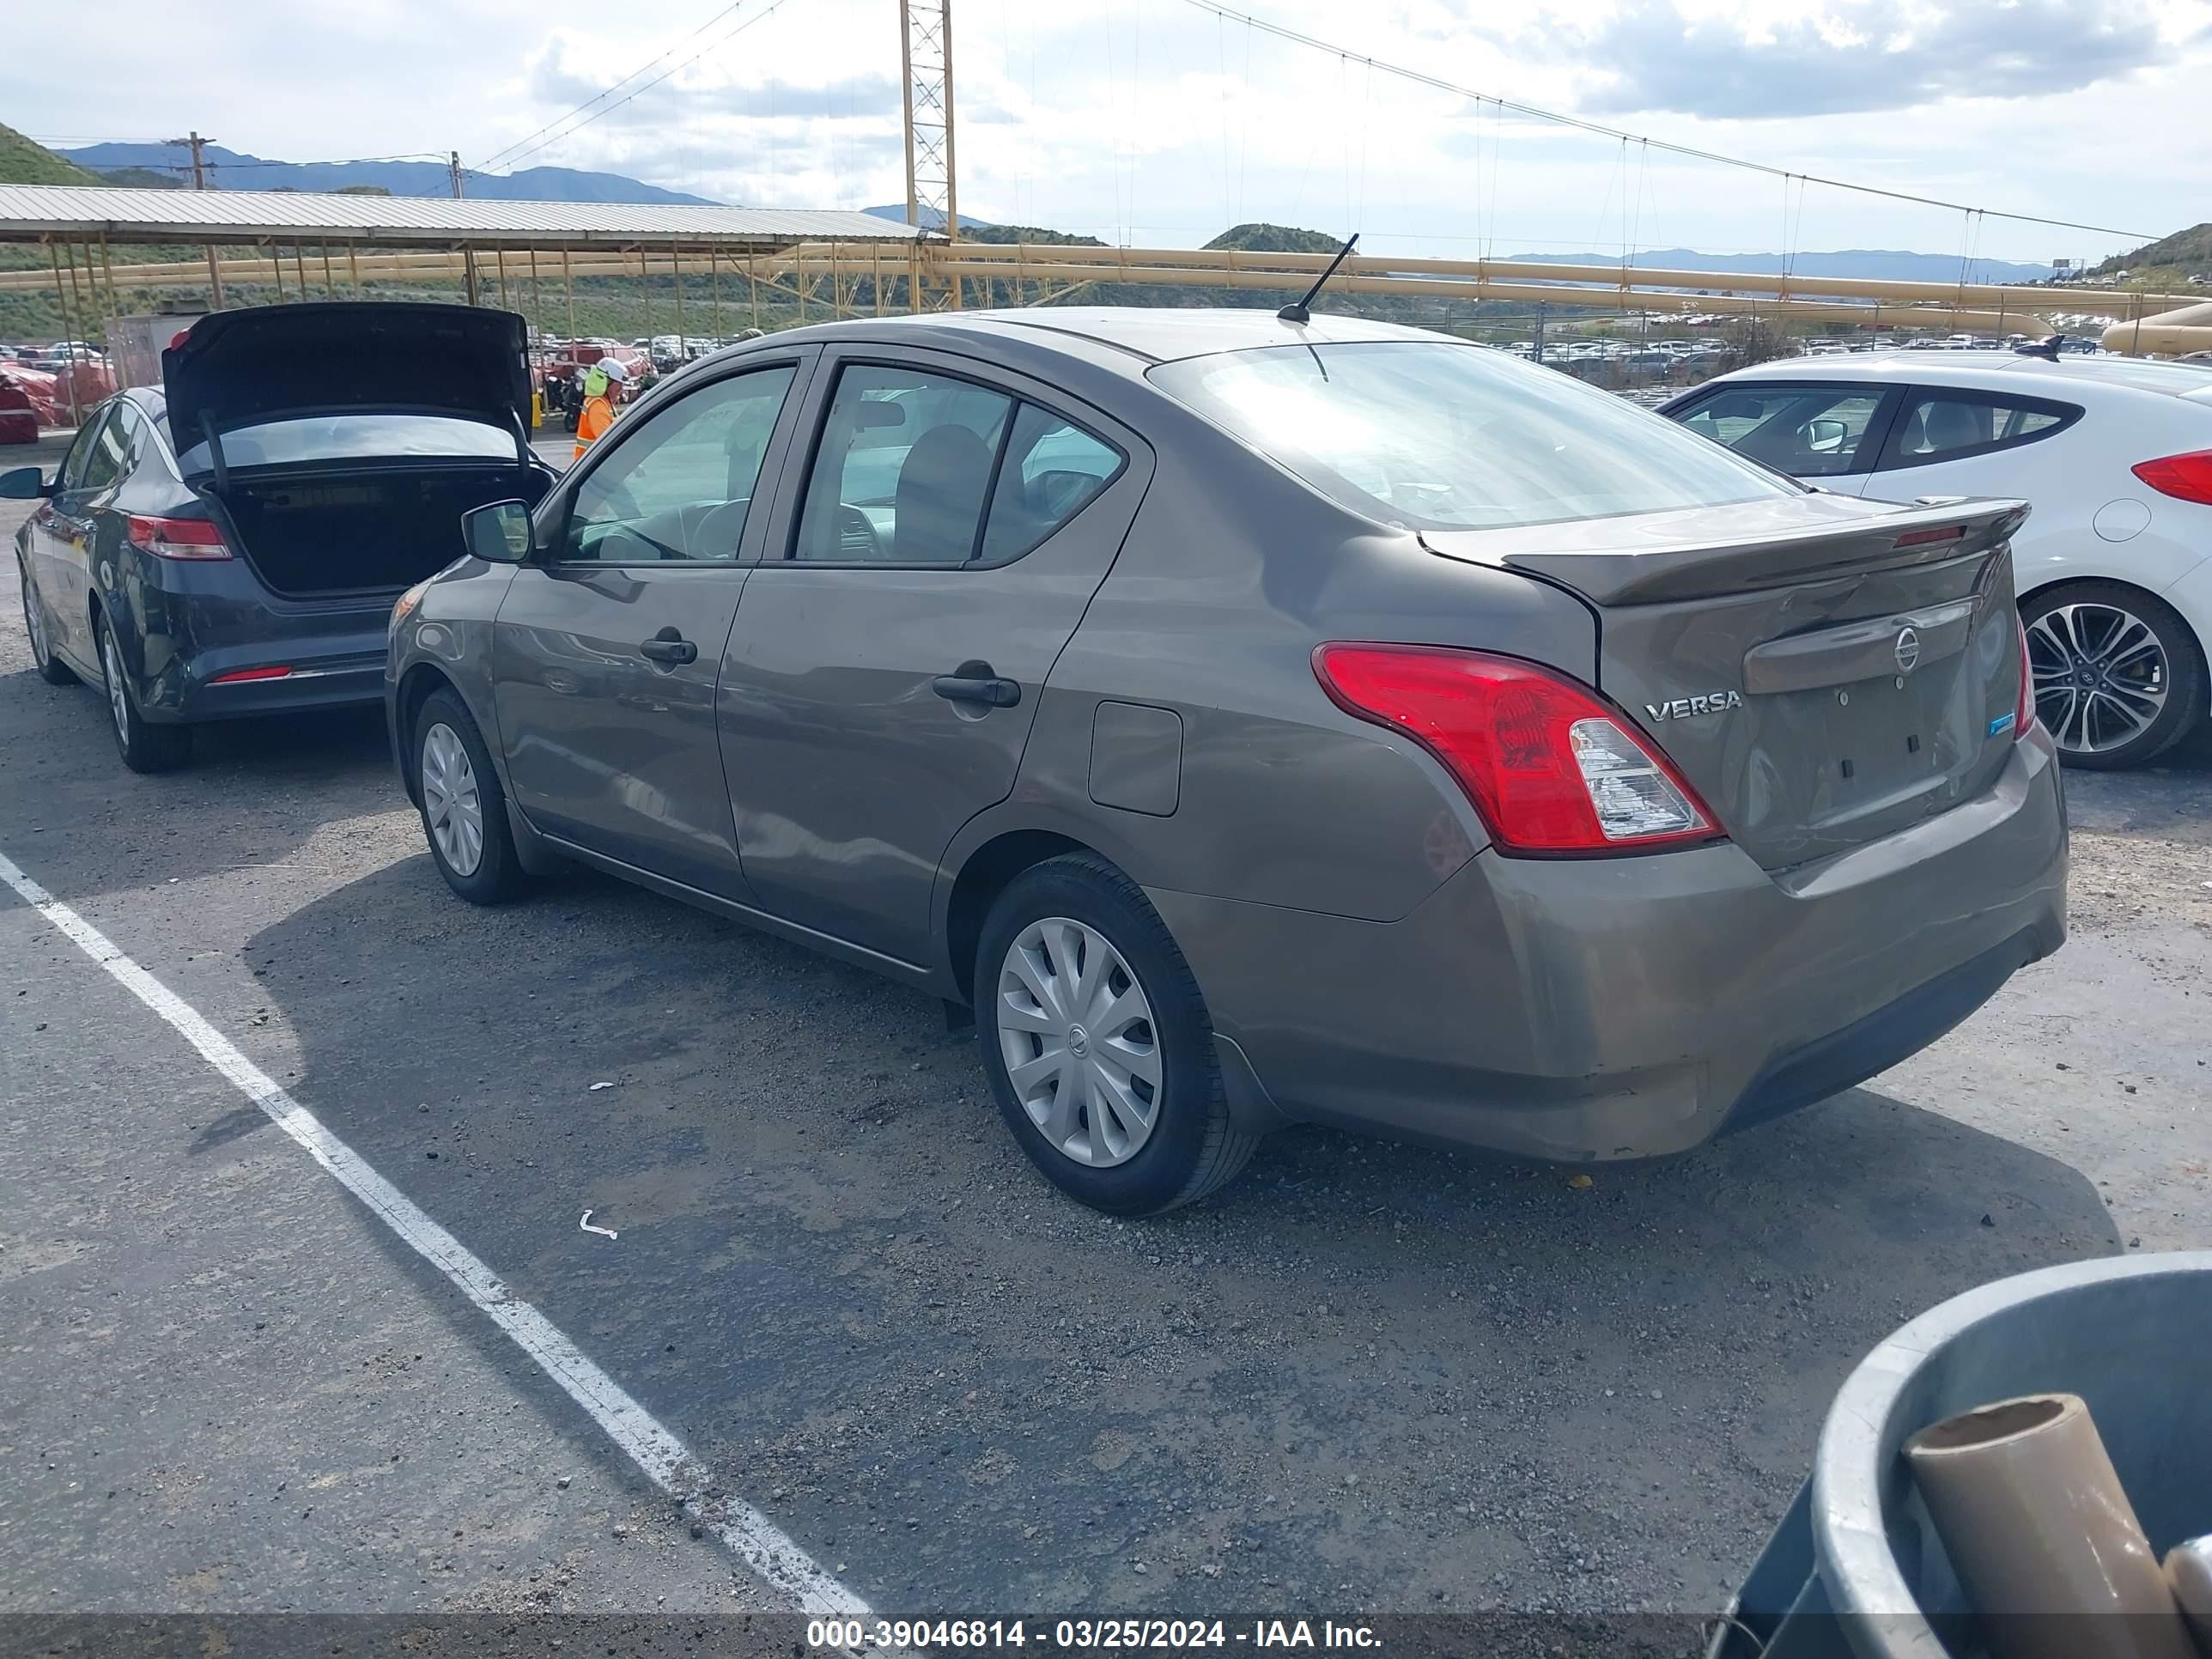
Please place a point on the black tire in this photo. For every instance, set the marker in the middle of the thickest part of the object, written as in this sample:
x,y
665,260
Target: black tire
x,y
498,874
2182,674
1194,1146
144,747
51,669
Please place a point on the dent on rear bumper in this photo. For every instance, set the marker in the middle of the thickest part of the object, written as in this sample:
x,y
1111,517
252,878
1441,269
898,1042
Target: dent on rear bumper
x,y
1636,1006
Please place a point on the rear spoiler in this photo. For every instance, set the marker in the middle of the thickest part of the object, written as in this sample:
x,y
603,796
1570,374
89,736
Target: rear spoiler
x,y
1928,533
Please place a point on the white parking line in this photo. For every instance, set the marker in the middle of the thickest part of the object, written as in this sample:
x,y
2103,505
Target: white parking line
x,y
666,1462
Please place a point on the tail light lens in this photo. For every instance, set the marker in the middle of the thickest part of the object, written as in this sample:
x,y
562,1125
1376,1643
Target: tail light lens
x,y
2023,713
178,539
1554,770
2185,478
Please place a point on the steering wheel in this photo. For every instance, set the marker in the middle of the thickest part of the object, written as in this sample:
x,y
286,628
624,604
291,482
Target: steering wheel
x,y
854,530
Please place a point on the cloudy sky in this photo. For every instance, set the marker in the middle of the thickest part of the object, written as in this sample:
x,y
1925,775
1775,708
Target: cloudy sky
x,y
1156,122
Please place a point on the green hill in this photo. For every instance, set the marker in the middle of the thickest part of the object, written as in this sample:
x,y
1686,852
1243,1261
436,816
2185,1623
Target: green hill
x,y
1273,239
22,162
2166,263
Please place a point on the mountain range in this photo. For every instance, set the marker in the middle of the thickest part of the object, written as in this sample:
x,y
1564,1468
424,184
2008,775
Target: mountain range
x,y
143,164
235,171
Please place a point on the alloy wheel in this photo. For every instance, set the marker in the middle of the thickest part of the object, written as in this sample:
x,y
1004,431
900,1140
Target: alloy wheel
x,y
453,806
118,705
34,624
2100,676
1081,1048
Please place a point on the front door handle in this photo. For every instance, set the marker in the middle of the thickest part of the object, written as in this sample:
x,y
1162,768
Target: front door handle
x,y
670,646
976,682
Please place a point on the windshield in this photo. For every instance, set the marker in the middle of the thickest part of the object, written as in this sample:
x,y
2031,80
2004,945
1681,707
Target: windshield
x,y
1438,436
356,438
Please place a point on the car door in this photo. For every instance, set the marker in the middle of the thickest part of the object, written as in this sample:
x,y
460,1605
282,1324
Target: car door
x,y
1960,441
607,645
95,464
920,579
1826,433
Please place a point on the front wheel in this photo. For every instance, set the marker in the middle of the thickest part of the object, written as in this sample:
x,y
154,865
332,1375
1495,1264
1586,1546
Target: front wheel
x,y
2119,677
51,669
463,809
1097,1044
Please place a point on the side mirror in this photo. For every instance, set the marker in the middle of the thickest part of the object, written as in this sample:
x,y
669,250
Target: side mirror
x,y
499,533
22,483
1826,435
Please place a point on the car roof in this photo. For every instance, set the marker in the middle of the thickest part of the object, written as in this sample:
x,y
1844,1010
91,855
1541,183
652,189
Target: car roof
x,y
2016,371
1163,334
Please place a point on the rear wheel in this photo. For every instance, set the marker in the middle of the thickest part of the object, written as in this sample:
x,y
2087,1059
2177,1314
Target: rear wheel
x,y
51,668
144,747
1097,1044
463,809
2119,677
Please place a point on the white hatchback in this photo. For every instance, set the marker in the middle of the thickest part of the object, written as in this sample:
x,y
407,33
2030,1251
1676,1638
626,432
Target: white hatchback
x,y
2115,455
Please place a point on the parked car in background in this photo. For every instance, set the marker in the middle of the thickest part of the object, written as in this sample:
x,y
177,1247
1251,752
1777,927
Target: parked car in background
x,y
1503,766
231,543
2114,564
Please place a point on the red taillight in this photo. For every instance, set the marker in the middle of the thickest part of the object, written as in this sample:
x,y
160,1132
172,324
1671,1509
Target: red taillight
x,y
1552,768
237,675
2023,713
178,539
2186,477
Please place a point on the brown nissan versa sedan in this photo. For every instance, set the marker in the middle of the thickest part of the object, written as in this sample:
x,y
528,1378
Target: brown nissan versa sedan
x,y
1258,721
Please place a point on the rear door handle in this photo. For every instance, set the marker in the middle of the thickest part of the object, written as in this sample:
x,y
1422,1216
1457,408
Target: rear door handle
x,y
976,682
670,646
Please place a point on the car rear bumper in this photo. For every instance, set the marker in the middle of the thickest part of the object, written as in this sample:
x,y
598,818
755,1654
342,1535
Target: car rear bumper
x,y
1637,1006
208,624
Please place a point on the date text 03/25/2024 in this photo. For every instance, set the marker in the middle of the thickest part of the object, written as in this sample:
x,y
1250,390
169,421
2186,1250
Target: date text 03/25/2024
x,y
903,1634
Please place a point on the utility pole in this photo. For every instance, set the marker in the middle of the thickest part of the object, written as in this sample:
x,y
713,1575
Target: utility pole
x,y
198,146
932,189
468,255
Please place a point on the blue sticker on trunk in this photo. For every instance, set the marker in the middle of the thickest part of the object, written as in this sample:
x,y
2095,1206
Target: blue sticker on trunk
x,y
2002,723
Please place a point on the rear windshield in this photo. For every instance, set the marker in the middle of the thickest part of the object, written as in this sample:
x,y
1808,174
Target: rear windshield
x,y
1438,436
356,438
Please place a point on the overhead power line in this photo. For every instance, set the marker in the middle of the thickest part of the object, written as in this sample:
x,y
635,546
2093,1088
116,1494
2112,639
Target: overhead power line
x,y
516,152
494,158
1281,33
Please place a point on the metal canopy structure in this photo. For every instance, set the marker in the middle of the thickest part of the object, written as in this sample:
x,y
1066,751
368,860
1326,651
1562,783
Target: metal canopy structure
x,y
70,213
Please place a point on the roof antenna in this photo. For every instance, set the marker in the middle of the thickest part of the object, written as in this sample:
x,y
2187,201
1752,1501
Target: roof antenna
x,y
1302,312
2049,348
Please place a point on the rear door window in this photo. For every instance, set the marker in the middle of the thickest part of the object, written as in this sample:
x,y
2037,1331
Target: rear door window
x,y
1806,431
71,476
1952,424
109,456
919,468
1051,472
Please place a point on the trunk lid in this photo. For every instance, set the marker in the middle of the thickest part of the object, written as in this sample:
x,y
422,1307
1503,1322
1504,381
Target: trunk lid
x,y
268,362
1824,671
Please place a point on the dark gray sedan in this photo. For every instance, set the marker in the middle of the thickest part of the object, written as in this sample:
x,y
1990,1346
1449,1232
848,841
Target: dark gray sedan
x,y
230,543
1255,721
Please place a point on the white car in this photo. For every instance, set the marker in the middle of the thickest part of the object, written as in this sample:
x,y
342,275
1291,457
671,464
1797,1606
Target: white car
x,y
2114,565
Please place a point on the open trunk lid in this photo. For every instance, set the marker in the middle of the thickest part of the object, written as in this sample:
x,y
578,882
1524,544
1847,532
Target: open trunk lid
x,y
268,362
1825,671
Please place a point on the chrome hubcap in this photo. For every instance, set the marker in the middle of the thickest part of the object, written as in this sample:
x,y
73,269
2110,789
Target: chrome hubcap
x,y
1077,1034
112,661
452,806
2099,676
33,626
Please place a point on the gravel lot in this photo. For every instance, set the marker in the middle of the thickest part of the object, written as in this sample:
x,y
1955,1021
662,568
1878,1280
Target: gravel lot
x,y
1363,1379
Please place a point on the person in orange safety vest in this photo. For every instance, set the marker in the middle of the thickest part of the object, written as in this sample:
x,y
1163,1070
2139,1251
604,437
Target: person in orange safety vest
x,y
598,411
